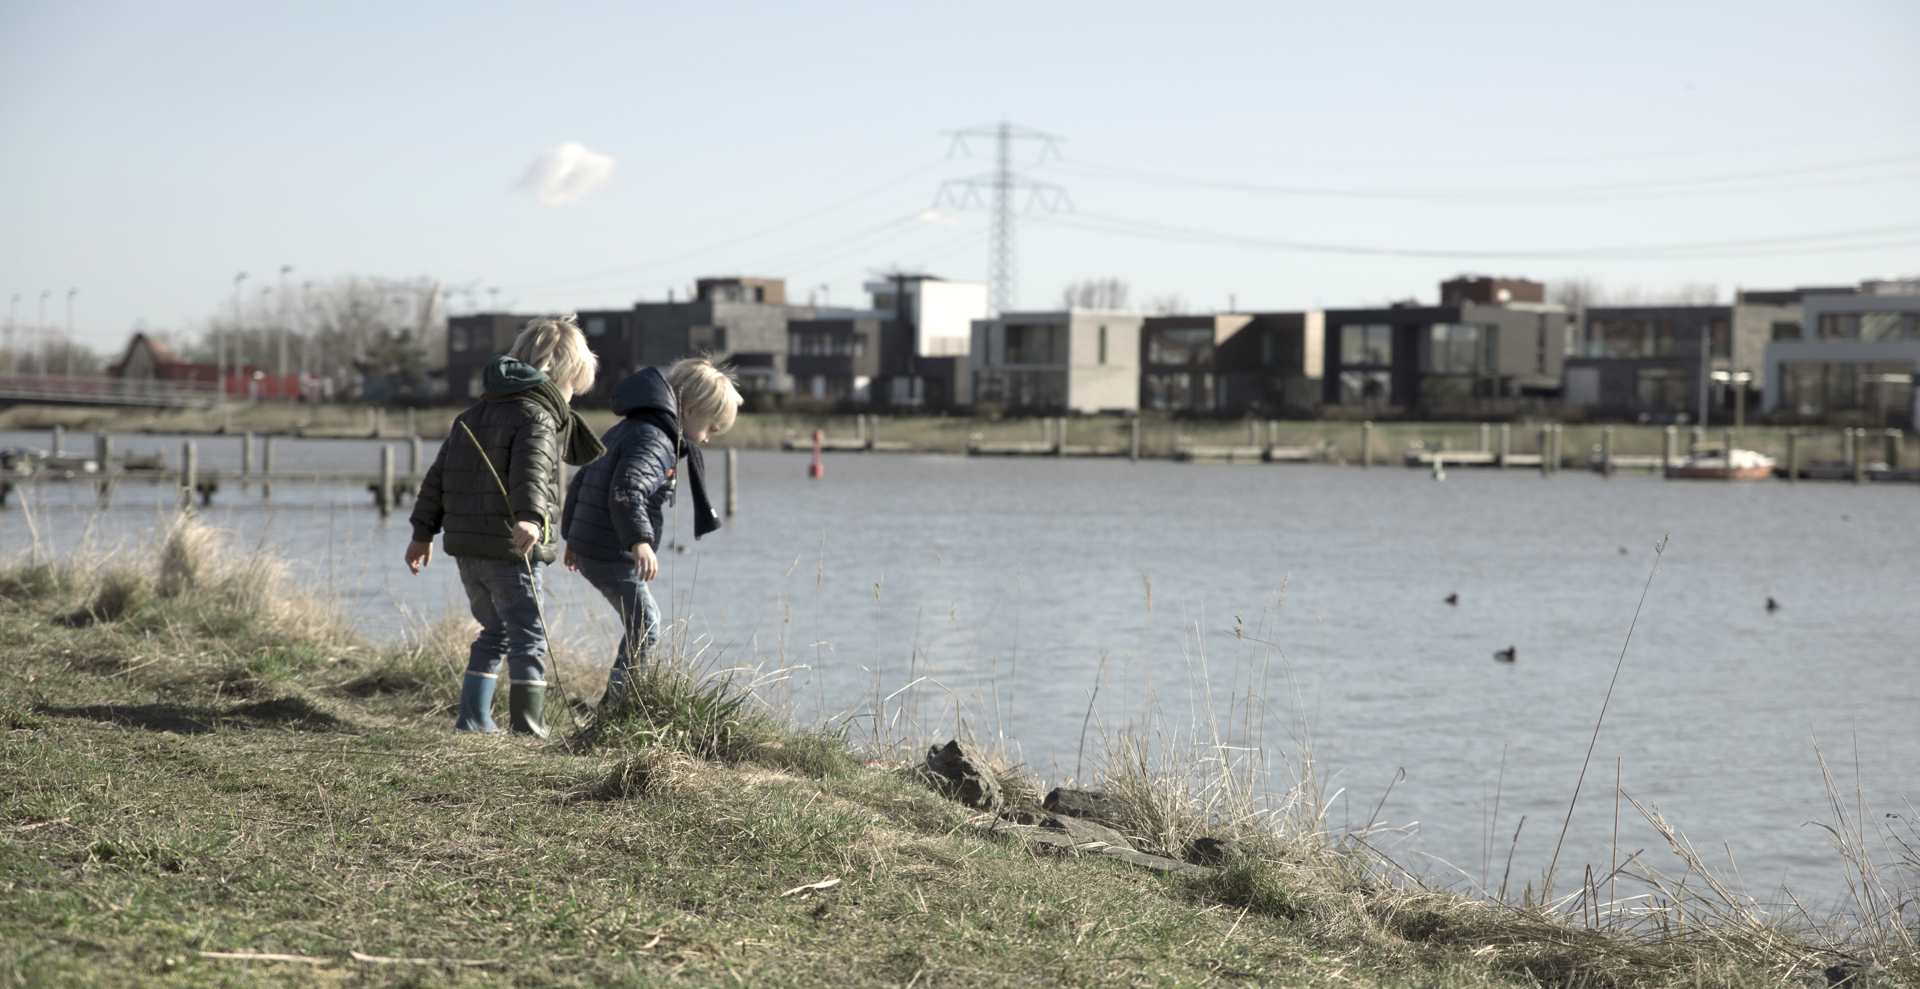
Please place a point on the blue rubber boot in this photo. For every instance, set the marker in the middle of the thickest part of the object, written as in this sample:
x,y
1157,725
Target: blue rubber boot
x,y
476,704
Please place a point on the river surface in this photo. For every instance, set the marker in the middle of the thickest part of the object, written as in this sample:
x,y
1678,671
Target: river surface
x,y
1004,592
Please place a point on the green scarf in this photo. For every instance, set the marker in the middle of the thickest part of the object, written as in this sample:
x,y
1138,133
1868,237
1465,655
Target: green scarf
x,y
509,380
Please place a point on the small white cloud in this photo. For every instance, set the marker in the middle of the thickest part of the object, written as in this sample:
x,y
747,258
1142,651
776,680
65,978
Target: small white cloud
x,y
939,218
564,173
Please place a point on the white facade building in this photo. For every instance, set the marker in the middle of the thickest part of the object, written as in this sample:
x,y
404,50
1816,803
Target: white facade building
x,y
940,312
1077,360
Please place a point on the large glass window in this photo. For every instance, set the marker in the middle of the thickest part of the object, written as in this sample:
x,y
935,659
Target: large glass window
x,y
1358,387
1632,337
1811,389
1363,344
1185,345
1870,326
827,345
1457,348
1036,344
1179,391
1661,388
1786,331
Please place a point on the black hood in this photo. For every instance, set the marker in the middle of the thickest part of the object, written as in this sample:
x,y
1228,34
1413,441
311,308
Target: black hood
x,y
645,390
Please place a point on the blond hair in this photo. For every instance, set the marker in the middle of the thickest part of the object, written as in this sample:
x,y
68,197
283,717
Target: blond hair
x,y
705,390
554,344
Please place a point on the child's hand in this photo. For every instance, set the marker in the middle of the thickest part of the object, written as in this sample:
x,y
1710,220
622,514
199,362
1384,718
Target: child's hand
x,y
568,562
644,565
525,535
419,554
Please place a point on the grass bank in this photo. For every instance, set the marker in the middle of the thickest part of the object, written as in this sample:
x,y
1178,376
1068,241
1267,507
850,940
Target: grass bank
x,y
207,780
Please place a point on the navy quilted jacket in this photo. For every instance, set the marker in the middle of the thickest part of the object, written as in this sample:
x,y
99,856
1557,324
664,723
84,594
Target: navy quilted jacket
x,y
620,499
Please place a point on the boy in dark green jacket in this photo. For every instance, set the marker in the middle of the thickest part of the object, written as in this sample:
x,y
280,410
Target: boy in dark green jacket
x,y
493,491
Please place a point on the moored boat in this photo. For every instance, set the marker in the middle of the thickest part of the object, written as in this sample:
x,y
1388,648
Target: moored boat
x,y
1748,465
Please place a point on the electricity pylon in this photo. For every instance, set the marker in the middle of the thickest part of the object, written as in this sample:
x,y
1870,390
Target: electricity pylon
x,y
1009,192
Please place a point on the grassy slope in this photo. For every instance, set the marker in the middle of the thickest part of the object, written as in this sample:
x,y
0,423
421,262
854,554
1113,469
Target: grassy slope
x,y
215,772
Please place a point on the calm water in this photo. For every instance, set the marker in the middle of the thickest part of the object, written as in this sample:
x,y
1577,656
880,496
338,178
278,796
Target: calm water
x,y
1010,583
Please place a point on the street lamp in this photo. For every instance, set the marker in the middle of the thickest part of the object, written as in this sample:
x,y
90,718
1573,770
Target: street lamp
x,y
13,352
220,344
280,366
40,328
71,292
1739,395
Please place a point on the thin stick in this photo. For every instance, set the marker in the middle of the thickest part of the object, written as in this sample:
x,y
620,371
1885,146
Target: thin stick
x,y
1510,848
1612,877
1546,893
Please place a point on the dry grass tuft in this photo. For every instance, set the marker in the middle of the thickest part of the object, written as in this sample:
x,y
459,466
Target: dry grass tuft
x,y
646,773
187,557
121,591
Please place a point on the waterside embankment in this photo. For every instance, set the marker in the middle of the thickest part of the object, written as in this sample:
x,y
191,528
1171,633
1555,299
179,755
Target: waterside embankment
x,y
209,779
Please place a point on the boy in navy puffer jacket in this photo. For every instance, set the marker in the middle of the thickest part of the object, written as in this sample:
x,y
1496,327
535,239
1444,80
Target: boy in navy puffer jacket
x,y
614,516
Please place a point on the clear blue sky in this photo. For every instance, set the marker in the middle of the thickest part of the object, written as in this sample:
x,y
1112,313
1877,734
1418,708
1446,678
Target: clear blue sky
x,y
150,151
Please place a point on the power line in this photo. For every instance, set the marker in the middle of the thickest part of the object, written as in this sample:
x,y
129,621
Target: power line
x,y
572,280
1653,188
1001,187
1870,238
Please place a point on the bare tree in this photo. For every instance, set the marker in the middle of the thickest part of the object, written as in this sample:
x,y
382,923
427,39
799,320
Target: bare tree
x,y
1581,293
1095,293
1166,305
48,355
349,326
1575,293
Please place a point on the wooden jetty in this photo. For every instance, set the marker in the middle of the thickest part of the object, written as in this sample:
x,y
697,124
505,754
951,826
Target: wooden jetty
x,y
388,485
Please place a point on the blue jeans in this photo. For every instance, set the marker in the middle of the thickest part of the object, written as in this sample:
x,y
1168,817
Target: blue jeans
x,y
639,615
505,598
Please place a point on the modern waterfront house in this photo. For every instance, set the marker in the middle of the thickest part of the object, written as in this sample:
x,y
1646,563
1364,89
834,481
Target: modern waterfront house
x,y
1677,363
1494,345
1067,360
909,350
1853,359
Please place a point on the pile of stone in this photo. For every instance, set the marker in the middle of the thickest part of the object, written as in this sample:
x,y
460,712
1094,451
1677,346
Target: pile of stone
x,y
1068,822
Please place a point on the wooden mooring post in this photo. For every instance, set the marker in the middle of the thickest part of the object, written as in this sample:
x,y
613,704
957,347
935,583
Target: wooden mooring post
x,y
103,455
1727,451
413,422
1366,444
1793,456
266,487
413,455
189,471
1133,438
1506,442
1545,443
733,481
1859,455
1667,444
1060,437
59,440
1893,438
383,494
1606,451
